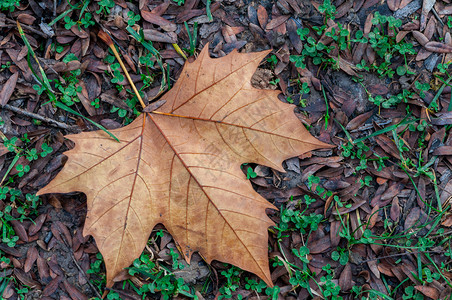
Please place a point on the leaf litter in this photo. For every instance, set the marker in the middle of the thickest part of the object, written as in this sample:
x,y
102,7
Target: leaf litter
x,y
383,192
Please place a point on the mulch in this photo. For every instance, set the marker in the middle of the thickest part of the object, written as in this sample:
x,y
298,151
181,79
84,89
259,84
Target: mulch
x,y
51,258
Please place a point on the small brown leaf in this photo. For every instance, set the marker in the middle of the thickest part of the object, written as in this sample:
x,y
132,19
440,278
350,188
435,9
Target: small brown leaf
x,y
420,37
293,36
346,66
63,229
443,150
345,279
84,99
36,226
423,54
359,120
320,245
73,292
334,233
276,22
373,217
401,35
421,195
430,29
427,6
395,209
26,279
386,268
157,20
412,218
20,230
368,24
52,286
447,222
438,47
393,4
373,267
43,269
26,19
10,250
446,194
8,89
344,8
158,36
388,145
428,291
262,16
32,255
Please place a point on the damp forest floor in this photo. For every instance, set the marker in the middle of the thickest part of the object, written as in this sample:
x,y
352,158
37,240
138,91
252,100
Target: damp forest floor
x,y
368,219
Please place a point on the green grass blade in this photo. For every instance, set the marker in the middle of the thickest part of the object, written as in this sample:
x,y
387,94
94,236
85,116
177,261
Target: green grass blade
x,y
15,159
30,50
46,83
405,121
64,14
67,108
209,13
440,91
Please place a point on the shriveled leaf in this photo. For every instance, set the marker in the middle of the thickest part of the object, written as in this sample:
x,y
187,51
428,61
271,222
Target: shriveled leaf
x,y
262,16
8,89
345,279
395,209
26,279
180,166
430,292
393,4
420,37
32,255
158,20
73,292
438,47
427,6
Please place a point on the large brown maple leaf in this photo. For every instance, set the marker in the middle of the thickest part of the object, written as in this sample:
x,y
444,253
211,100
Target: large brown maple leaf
x,y
180,166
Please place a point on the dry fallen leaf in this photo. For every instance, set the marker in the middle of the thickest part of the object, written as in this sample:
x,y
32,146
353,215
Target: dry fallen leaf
x,y
180,166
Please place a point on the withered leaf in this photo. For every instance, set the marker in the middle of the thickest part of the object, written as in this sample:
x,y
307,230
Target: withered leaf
x,y
32,255
37,224
262,16
430,292
393,4
73,292
180,166
420,37
427,6
8,89
26,279
345,279
158,20
438,47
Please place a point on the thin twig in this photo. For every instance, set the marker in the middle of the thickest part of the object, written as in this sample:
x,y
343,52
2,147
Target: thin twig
x,y
399,254
39,117
29,28
435,13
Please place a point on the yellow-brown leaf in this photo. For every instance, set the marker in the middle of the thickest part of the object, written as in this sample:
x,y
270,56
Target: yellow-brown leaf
x,y
180,166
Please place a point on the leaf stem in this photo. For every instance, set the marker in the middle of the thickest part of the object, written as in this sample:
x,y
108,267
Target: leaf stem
x,y
106,38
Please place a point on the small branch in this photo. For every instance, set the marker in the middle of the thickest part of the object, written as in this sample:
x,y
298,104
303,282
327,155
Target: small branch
x,y
29,28
39,117
399,254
